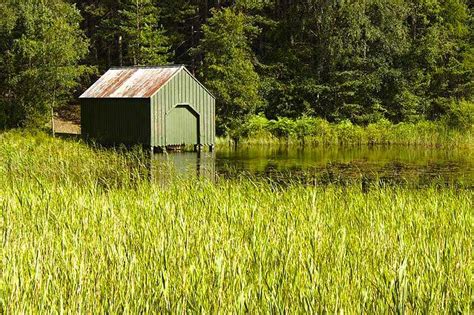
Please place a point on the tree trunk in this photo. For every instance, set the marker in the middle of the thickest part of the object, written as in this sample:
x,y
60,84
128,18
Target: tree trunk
x,y
120,51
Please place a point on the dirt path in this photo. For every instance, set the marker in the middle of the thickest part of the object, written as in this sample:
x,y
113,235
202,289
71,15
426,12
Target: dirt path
x,y
66,126
67,120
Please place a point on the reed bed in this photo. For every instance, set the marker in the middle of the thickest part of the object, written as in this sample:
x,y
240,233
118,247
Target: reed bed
x,y
319,132
84,231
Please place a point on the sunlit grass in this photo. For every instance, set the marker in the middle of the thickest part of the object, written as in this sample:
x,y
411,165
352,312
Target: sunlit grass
x,y
319,132
85,231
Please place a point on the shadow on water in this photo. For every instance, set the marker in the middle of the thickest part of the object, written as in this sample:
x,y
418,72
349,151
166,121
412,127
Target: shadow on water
x,y
166,166
412,166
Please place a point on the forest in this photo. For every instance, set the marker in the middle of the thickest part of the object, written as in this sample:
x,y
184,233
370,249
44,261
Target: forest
x,y
358,61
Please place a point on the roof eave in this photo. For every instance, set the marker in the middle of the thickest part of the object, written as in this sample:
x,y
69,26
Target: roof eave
x,y
198,82
169,80
182,67
179,68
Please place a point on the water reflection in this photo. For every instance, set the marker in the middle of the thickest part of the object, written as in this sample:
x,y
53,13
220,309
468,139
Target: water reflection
x,y
165,166
400,165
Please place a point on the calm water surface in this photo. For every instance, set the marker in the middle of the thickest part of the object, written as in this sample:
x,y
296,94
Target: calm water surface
x,y
283,164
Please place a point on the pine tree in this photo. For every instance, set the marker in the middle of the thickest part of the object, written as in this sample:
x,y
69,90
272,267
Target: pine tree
x,y
145,40
436,63
183,21
228,68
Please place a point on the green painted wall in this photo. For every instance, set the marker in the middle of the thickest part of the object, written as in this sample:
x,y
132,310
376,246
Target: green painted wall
x,y
182,126
182,89
116,120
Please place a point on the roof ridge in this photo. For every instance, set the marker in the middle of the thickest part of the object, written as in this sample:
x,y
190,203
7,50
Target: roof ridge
x,y
129,82
148,67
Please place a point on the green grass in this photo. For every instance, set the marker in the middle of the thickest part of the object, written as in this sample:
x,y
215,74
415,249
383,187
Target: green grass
x,y
318,132
82,230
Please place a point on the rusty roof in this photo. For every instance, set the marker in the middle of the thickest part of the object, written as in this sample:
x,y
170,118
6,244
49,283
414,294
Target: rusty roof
x,y
132,82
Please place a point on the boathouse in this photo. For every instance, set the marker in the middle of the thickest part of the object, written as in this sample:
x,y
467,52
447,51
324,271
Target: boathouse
x,y
156,107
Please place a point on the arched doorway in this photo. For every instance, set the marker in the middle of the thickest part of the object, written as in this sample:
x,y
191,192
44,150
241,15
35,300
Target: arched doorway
x,y
182,126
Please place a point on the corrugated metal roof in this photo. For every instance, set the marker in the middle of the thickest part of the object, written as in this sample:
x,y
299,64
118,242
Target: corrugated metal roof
x,y
131,82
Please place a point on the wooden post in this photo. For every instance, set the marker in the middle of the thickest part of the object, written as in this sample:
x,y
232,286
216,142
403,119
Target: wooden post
x,y
52,120
197,147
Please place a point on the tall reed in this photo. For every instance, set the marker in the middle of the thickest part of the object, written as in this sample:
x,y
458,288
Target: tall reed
x,y
319,132
80,233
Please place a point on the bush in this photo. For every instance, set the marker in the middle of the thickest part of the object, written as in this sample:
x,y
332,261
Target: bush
x,y
460,115
259,130
379,132
305,127
347,133
283,127
256,125
324,132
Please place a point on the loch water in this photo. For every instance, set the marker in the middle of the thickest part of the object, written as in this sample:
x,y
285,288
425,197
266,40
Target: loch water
x,y
401,165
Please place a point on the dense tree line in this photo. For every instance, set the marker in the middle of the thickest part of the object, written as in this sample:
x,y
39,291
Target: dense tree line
x,y
401,60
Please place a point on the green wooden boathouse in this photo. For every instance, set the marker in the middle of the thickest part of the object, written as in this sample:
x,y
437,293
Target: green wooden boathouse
x,y
157,107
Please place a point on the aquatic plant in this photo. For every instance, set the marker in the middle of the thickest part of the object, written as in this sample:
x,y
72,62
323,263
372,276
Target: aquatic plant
x,y
84,231
317,131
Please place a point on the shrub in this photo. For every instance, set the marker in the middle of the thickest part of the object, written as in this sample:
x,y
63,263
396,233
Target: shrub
x,y
460,115
283,127
304,127
347,133
256,125
258,130
379,132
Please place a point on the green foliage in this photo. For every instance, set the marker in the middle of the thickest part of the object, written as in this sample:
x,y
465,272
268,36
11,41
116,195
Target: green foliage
x,y
304,127
348,133
40,50
379,132
126,32
255,126
460,115
317,131
146,42
98,239
228,70
362,61
282,127
368,60
181,20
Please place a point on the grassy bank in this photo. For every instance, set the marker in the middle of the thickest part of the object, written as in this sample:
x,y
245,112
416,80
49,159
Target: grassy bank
x,y
84,231
316,131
